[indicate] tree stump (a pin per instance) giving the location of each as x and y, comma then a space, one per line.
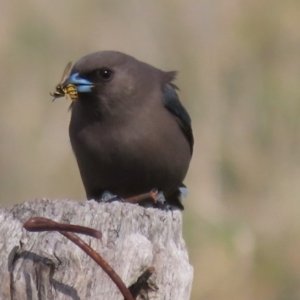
46, 265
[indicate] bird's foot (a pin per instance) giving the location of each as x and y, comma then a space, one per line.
108, 197
143, 199
153, 199
162, 203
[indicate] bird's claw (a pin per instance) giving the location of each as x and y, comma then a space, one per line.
108, 197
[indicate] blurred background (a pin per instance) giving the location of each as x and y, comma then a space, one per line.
239, 72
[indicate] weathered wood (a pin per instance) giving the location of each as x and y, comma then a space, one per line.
48, 266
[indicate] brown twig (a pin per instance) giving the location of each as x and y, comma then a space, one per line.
141, 283
143, 197
43, 224
101, 262
36, 224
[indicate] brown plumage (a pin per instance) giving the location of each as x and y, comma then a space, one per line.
128, 129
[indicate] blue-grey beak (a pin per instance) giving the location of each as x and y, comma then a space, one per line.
82, 85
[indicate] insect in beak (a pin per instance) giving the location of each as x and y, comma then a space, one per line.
64, 90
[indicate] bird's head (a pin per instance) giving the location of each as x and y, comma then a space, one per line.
114, 81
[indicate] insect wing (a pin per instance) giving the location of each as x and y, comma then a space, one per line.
66, 73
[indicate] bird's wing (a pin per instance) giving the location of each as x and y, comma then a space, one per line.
172, 103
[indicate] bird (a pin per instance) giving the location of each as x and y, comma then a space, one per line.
128, 130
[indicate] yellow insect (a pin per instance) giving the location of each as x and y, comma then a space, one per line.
69, 89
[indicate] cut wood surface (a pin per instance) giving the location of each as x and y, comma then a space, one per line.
46, 265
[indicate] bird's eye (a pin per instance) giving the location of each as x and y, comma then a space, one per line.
105, 74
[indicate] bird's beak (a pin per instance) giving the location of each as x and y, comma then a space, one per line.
82, 85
